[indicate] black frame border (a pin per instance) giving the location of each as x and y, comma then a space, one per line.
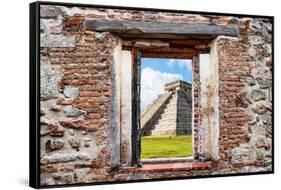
34, 92
34, 95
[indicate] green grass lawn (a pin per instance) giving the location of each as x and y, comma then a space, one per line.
166, 147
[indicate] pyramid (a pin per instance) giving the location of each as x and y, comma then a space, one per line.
170, 114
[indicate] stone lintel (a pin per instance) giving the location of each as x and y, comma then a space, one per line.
156, 29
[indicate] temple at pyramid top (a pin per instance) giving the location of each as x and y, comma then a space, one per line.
177, 85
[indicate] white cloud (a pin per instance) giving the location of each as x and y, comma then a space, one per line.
182, 63
185, 64
152, 84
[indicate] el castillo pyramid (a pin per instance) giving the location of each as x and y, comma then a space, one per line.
170, 114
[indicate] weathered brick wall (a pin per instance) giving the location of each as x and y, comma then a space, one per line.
76, 94
78, 131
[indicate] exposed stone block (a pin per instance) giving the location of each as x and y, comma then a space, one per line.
84, 156
48, 88
50, 11
51, 26
264, 83
47, 128
57, 133
74, 143
71, 92
71, 111
67, 157
56, 108
81, 124
74, 123
52, 145
53, 41
259, 108
59, 158
256, 95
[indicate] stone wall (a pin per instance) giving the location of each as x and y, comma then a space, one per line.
80, 134
76, 98
245, 102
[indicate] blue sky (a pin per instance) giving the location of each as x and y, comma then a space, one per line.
174, 66
155, 73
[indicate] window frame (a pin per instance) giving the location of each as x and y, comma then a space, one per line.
137, 54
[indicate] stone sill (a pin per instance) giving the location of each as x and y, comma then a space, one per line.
171, 167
